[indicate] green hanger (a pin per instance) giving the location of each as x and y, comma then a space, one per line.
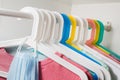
100, 39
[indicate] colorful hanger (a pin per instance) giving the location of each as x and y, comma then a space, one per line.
92, 25
100, 38
112, 65
106, 72
76, 56
92, 40
48, 45
97, 38
38, 20
72, 38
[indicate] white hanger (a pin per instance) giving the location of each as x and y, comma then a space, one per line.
49, 53
46, 21
35, 37
79, 21
49, 27
69, 53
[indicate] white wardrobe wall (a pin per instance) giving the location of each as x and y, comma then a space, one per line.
104, 12
11, 28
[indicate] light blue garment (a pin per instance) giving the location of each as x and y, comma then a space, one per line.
23, 67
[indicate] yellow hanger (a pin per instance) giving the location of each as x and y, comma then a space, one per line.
73, 31
97, 32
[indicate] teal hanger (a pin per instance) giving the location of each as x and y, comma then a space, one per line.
100, 39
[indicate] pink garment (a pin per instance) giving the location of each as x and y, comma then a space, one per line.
50, 70
1, 78
5, 61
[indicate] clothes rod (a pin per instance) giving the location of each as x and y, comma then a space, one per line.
20, 14
14, 13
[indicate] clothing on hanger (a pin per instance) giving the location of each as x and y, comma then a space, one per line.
5, 61
23, 66
51, 70
36, 58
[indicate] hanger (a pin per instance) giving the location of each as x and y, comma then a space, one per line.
34, 37
84, 27
77, 47
92, 25
72, 68
58, 31
114, 66
94, 41
106, 72
96, 54
80, 35
34, 15
16, 42
46, 21
89, 42
43, 45
68, 52
100, 38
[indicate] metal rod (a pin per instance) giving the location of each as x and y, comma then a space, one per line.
14, 13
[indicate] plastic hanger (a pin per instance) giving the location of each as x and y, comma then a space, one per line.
93, 41
92, 25
17, 42
57, 58
106, 72
83, 23
85, 54
73, 69
100, 38
59, 17
46, 21
114, 66
80, 35
36, 19
90, 41
34, 38
69, 53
